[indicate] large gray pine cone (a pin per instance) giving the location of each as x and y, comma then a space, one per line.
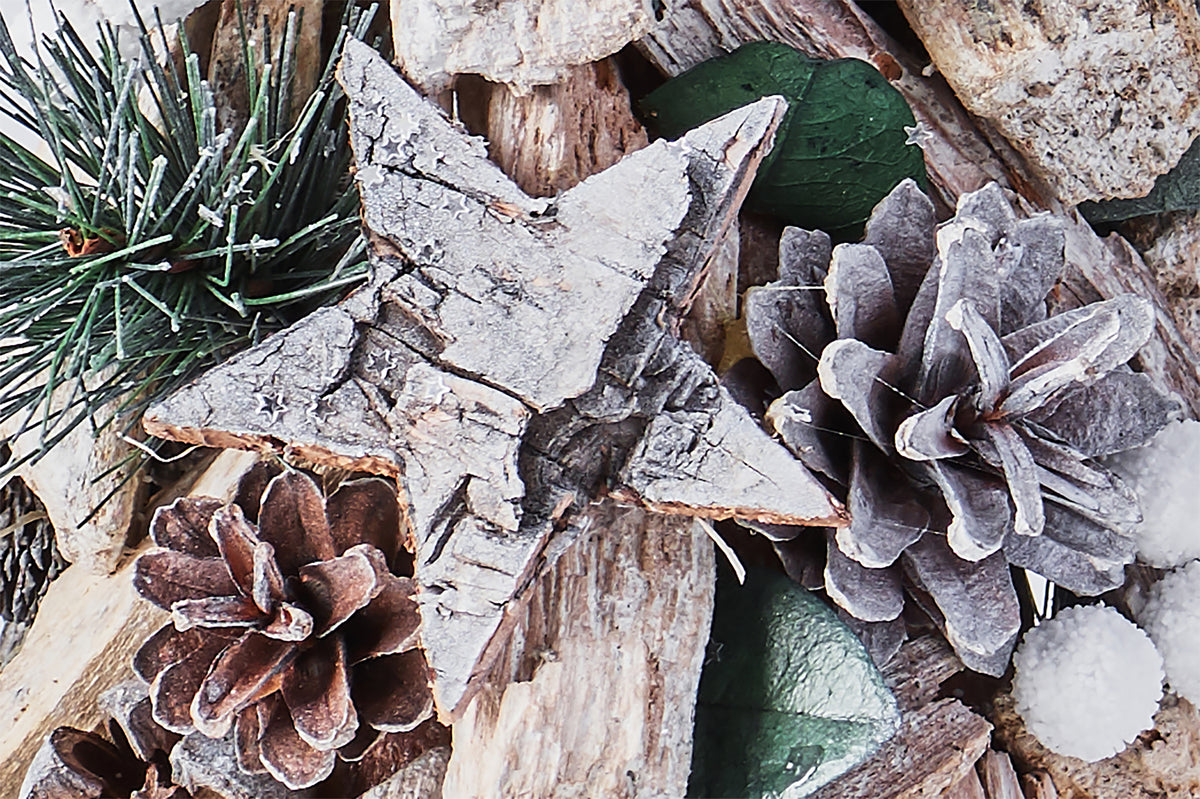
921, 373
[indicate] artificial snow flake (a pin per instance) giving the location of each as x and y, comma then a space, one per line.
1171, 617
962, 422
1087, 682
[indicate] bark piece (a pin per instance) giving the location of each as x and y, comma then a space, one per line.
576, 662
524, 43
440, 374
937, 746
1073, 90
917, 672
999, 776
711, 463
551, 138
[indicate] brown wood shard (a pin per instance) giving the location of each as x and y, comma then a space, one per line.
511, 357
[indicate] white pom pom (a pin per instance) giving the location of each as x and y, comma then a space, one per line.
1163, 474
1172, 619
1087, 682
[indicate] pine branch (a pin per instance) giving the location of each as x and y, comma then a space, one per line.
151, 244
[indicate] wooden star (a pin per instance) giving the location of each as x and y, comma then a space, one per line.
530, 352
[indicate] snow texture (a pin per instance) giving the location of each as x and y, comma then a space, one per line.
1163, 475
1172, 620
1087, 682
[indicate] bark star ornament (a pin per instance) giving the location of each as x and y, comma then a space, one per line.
533, 357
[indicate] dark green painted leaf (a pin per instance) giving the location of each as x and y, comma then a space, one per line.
789, 698
840, 149
1178, 190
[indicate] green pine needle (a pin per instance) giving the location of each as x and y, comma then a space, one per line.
152, 245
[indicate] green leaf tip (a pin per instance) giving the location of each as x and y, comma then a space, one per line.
789, 699
842, 145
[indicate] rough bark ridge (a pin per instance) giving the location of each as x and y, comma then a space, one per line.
511, 356
594, 693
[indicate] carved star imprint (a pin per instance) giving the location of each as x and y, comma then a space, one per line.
532, 358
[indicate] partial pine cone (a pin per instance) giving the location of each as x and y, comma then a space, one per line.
29, 557
292, 625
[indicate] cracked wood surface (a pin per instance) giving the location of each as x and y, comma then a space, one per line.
511, 357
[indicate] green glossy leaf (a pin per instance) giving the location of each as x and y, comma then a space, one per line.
789, 698
840, 148
1178, 190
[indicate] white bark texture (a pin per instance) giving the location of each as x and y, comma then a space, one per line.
509, 355
519, 42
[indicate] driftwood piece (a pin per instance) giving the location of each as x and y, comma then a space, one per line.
1163, 761
595, 692
969, 787
916, 672
1099, 98
516, 366
957, 155
998, 776
519, 42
